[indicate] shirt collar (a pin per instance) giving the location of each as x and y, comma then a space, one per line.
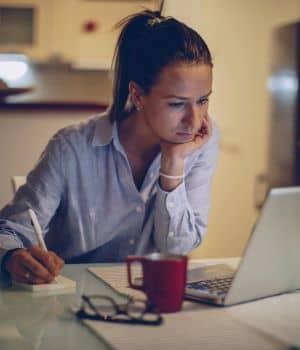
103, 132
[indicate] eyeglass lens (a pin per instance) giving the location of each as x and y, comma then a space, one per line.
107, 308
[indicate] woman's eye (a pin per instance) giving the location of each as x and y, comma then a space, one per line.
176, 104
203, 101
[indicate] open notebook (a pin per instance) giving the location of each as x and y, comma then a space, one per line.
266, 324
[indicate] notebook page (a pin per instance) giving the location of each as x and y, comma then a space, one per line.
204, 329
196, 326
278, 315
116, 276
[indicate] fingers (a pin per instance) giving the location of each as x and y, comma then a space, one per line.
48, 259
206, 128
24, 276
58, 263
34, 265
182, 150
24, 268
205, 131
36, 269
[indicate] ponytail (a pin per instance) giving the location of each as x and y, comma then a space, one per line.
147, 43
123, 59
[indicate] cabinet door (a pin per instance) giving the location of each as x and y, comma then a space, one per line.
26, 27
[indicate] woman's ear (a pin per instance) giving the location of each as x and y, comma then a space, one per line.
136, 95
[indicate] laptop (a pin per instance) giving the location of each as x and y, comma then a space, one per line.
271, 261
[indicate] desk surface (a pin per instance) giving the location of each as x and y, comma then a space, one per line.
44, 322
28, 321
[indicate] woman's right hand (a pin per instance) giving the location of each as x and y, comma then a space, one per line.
33, 265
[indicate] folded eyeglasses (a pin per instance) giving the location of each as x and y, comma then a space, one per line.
131, 311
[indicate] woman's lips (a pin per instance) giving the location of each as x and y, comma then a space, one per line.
185, 135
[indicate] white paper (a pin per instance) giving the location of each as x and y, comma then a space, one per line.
196, 326
277, 316
61, 283
116, 277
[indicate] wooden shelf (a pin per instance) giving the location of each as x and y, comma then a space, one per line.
53, 105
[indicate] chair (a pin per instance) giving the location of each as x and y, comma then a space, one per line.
17, 181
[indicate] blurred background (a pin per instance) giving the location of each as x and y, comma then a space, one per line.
55, 58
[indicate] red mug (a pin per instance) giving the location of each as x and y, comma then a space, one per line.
163, 279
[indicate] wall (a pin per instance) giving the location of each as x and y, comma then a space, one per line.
23, 136
239, 34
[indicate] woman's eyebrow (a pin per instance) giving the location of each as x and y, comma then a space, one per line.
186, 98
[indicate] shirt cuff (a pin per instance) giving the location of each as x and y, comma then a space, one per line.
173, 201
4, 255
7, 243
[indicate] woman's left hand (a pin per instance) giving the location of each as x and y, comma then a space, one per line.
174, 154
182, 150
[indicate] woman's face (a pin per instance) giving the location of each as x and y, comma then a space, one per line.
175, 107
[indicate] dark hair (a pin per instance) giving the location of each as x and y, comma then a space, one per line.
148, 42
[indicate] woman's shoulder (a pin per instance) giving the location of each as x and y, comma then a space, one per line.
84, 131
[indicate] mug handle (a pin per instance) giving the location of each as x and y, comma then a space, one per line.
129, 260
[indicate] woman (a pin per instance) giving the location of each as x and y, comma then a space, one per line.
134, 180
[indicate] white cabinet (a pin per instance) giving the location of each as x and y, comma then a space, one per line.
84, 29
31, 16
76, 31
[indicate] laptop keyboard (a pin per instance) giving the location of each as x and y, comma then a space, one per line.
214, 286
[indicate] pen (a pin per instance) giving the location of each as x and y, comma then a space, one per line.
38, 231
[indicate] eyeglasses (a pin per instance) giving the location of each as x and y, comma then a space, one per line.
132, 311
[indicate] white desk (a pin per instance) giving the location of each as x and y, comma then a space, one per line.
43, 323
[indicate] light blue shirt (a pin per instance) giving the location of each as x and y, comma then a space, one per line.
90, 209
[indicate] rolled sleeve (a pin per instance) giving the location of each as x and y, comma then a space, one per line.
181, 216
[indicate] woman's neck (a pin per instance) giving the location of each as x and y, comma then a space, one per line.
137, 138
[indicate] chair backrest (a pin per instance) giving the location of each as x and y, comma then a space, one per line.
17, 181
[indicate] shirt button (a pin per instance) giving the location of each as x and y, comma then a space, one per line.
131, 241
138, 209
171, 234
151, 175
170, 205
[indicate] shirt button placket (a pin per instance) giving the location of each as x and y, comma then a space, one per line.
138, 209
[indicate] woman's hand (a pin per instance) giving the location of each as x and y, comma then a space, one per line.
173, 155
33, 265
182, 150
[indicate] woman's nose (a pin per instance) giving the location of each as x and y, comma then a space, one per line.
192, 118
